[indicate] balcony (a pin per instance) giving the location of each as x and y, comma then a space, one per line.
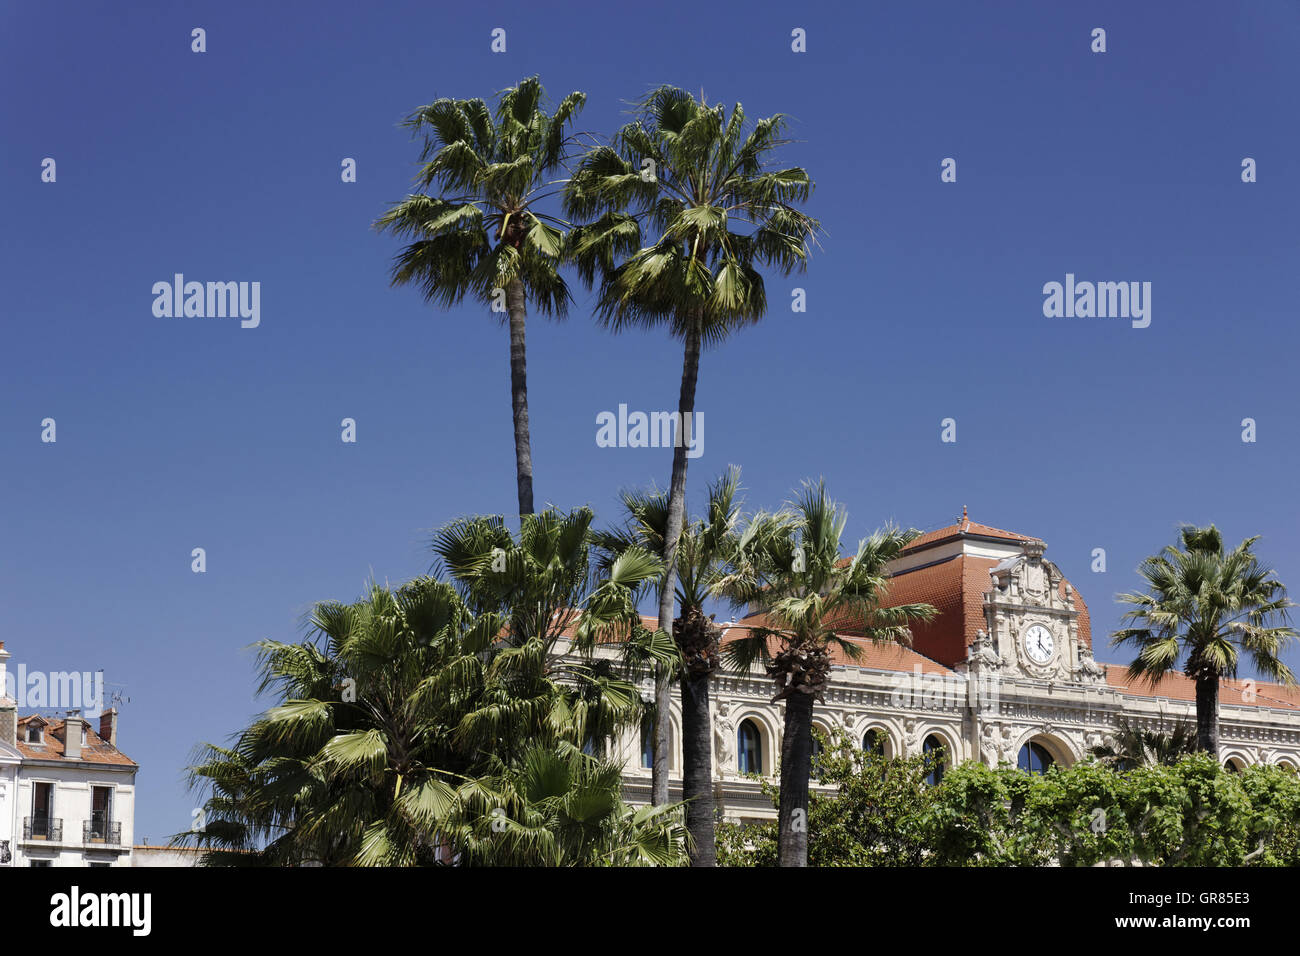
104, 832
43, 828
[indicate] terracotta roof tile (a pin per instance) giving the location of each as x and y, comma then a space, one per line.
880, 657
965, 527
1180, 687
96, 749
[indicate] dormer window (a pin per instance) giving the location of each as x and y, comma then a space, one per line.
35, 735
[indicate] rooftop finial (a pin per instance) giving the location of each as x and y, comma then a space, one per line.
963, 512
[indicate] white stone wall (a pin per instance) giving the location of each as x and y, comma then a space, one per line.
72, 782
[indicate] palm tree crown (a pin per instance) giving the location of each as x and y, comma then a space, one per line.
482, 230
703, 189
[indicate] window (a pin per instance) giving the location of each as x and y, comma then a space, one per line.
817, 748
40, 862
34, 734
42, 800
99, 864
934, 749
101, 812
647, 742
1034, 758
873, 741
749, 748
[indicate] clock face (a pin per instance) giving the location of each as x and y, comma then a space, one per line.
1038, 644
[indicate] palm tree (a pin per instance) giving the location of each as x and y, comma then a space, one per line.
811, 600
1131, 746
415, 729
1206, 606
705, 548
704, 188
546, 586
481, 235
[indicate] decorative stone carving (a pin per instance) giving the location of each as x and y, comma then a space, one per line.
912, 736
724, 732
996, 740
982, 655
1089, 671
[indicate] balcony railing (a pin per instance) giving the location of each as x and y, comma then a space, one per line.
43, 828
101, 831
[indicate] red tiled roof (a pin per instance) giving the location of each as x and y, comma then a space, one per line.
96, 749
956, 590
1180, 687
880, 657
965, 527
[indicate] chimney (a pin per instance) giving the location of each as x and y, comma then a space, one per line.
108, 725
72, 736
8, 706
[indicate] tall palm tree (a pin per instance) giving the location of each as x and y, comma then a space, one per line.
1206, 606
682, 209
811, 600
481, 234
705, 549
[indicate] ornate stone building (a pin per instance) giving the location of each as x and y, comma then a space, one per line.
1003, 674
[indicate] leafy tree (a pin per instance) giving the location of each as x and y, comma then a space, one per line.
475, 227
682, 210
789, 567
1190, 813
1206, 606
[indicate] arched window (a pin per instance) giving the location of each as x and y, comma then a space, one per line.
818, 748
647, 742
1034, 758
873, 741
934, 746
749, 748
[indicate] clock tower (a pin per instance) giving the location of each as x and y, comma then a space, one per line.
1003, 607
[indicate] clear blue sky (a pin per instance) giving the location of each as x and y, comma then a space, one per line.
924, 303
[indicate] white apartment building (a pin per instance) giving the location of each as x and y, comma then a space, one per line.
67, 794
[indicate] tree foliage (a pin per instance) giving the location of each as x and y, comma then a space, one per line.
872, 811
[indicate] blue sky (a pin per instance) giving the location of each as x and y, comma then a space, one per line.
924, 302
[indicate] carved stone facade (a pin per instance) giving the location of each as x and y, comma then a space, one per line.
1008, 661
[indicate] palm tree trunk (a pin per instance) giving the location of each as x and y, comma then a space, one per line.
697, 768
1207, 713
676, 515
519, 395
796, 767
